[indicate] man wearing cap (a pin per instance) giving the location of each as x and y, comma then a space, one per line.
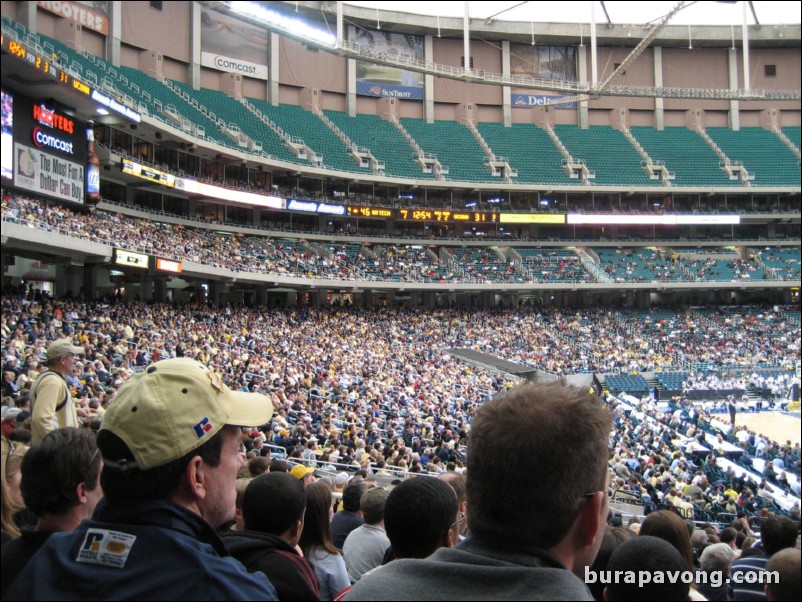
52, 405
171, 446
303, 473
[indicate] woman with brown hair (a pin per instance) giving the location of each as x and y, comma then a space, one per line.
332, 576
670, 527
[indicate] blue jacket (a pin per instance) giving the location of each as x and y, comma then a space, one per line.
138, 551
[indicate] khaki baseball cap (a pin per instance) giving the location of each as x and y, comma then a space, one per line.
173, 407
62, 348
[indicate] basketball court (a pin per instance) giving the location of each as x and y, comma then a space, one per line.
778, 426
775, 425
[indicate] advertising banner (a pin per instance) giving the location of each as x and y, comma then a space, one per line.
381, 80
42, 173
232, 45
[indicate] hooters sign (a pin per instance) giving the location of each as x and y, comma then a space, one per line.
81, 13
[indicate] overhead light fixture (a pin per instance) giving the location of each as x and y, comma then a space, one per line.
290, 25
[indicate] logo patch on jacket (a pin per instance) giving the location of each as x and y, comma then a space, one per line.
106, 548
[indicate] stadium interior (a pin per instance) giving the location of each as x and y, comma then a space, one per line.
626, 214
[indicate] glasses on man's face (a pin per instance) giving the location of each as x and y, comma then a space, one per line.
459, 521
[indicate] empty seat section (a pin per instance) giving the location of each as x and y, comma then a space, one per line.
762, 153
793, 133
384, 141
608, 153
303, 124
529, 149
233, 111
685, 153
454, 146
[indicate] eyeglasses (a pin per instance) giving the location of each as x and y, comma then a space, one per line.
460, 520
92, 460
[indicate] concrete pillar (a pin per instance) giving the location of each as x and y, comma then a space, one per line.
260, 295
659, 111
115, 32
273, 54
146, 287
316, 298
506, 91
26, 15
194, 67
160, 290
732, 65
350, 74
216, 289
90, 274
488, 299
582, 107
71, 280
429, 299
428, 81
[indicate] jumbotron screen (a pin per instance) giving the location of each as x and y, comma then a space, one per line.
44, 148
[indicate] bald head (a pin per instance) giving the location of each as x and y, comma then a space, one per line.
787, 564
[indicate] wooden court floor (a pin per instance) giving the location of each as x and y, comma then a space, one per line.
775, 425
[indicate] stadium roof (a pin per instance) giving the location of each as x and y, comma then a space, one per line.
625, 12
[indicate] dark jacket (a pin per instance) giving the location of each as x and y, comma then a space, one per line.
138, 551
288, 571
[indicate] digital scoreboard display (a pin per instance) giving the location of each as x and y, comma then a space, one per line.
445, 215
363, 211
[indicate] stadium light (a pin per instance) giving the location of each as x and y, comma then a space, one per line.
290, 25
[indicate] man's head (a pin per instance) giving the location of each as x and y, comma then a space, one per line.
728, 535
786, 563
279, 466
717, 557
778, 532
258, 465
305, 474
457, 482
10, 421
651, 554
61, 356
171, 433
537, 470
352, 494
274, 503
420, 516
373, 503
60, 474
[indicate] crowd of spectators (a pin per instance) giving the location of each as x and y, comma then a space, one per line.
336, 261
377, 393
